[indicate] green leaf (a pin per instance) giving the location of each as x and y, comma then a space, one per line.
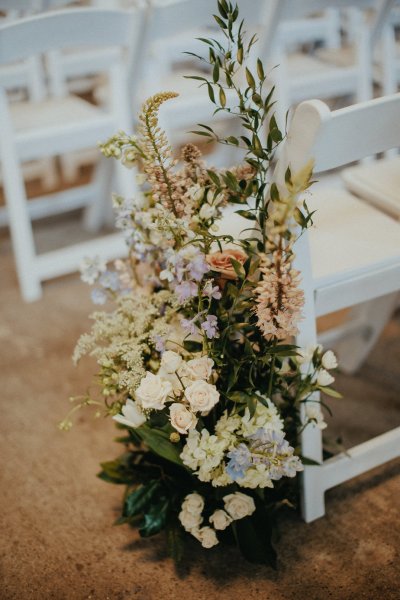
257, 147
220, 22
223, 9
254, 541
274, 193
211, 92
155, 518
136, 501
288, 176
214, 178
216, 72
222, 97
238, 268
192, 346
175, 541
330, 392
246, 214
239, 55
250, 79
309, 461
260, 69
232, 140
119, 470
159, 443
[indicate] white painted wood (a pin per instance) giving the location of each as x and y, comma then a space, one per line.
58, 125
347, 271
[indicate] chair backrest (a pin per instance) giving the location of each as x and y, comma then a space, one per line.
335, 138
71, 28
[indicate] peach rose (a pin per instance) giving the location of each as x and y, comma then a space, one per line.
221, 262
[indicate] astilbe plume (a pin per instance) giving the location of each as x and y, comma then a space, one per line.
279, 297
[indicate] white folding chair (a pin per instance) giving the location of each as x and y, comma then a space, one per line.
329, 72
352, 256
53, 127
24, 79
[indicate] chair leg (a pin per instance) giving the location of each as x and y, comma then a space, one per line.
95, 214
372, 316
312, 497
17, 205
49, 176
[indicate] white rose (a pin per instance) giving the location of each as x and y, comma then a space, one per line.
198, 368
131, 416
170, 361
324, 378
181, 418
207, 211
202, 396
190, 520
220, 519
207, 537
174, 381
329, 360
239, 505
153, 391
314, 414
193, 503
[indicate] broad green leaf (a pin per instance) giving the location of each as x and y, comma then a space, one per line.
155, 518
136, 501
159, 443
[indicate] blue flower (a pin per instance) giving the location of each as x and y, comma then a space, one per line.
99, 296
110, 281
240, 461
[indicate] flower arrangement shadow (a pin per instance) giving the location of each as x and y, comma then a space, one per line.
197, 361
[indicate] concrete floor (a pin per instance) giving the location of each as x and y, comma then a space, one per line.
57, 540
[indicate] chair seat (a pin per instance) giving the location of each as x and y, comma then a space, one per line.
350, 239
349, 235
58, 125
52, 113
378, 183
310, 76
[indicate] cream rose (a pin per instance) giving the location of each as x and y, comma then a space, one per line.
181, 418
324, 378
190, 520
329, 360
132, 416
202, 396
220, 519
221, 262
171, 361
193, 503
198, 368
239, 505
207, 537
153, 391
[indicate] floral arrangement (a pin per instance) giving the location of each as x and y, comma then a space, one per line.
197, 361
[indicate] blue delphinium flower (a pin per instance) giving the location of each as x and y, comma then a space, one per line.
110, 280
240, 461
99, 296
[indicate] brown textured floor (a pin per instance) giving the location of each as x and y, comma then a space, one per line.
57, 540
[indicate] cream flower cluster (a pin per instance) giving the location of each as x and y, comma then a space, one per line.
183, 385
206, 453
236, 506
